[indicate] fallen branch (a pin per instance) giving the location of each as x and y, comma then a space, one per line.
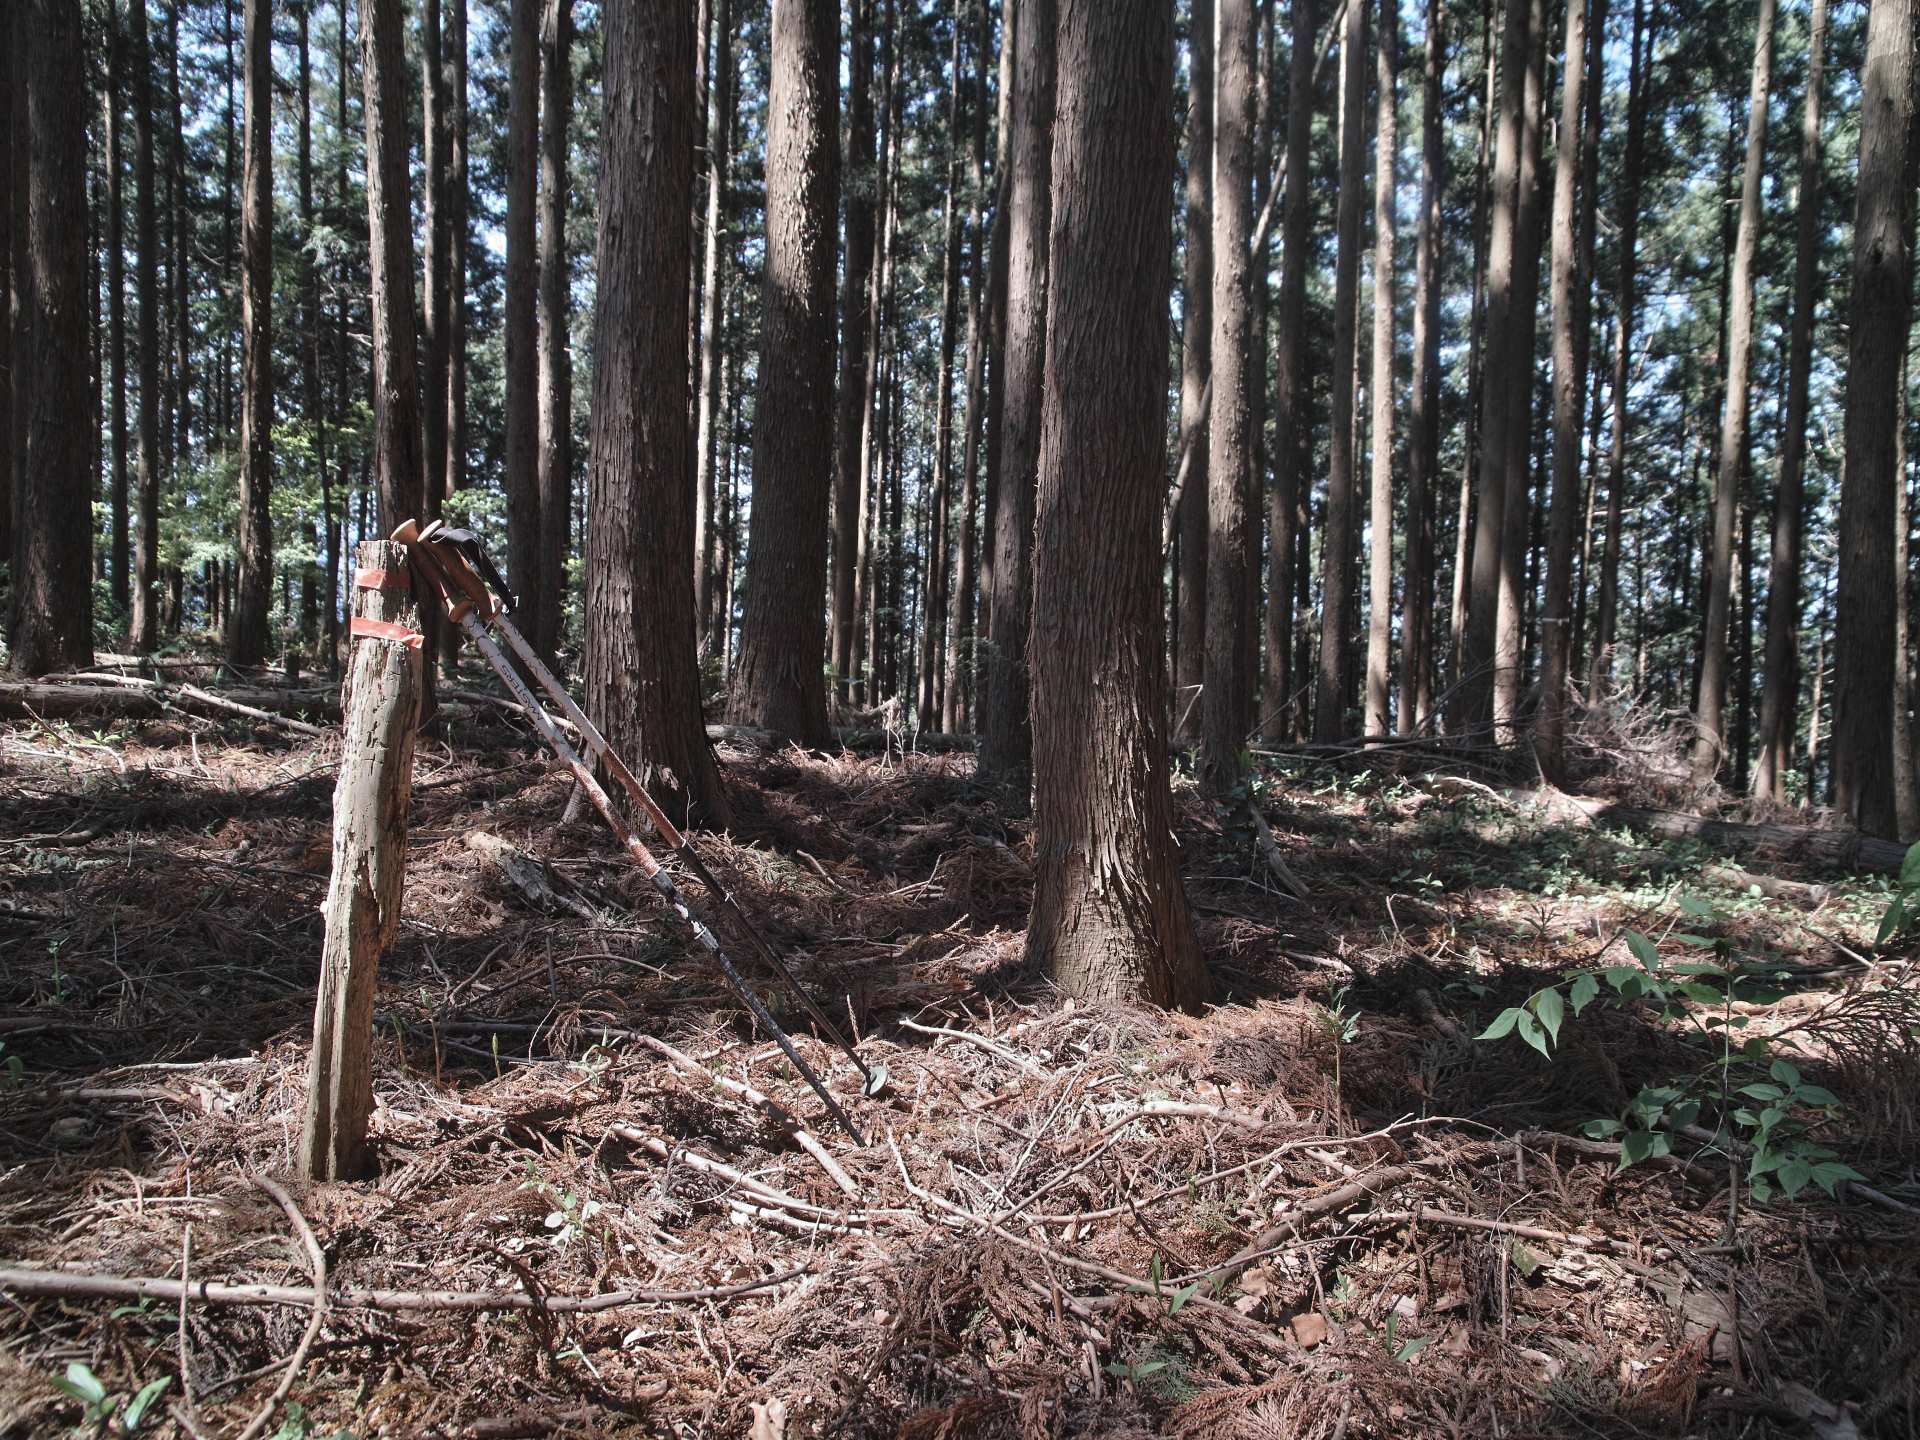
25, 1280
1843, 848
992, 1047
1276, 862
1310, 1209
129, 695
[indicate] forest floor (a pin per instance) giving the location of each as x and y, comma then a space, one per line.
1418, 1235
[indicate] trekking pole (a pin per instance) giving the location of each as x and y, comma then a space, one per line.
446, 565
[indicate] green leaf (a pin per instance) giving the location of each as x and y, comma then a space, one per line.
1582, 992
1693, 905
1503, 1023
1761, 1091
1698, 942
1643, 950
149, 1393
1829, 1173
1524, 1260
1698, 967
1180, 1297
81, 1383
1636, 1147
1910, 867
1785, 1072
1618, 976
1816, 1095
1602, 1129
1702, 993
1794, 1176
1412, 1348
1531, 1032
1552, 1010
1761, 1191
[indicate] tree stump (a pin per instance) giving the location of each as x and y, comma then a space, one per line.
380, 706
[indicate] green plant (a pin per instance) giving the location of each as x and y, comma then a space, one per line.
13, 1070
1902, 915
1402, 1351
1341, 1025
1757, 1100
101, 1408
568, 1219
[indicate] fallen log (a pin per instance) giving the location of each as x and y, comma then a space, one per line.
121, 696
1843, 848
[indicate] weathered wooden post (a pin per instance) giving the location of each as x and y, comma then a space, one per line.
379, 708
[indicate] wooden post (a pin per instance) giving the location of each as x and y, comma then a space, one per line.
379, 709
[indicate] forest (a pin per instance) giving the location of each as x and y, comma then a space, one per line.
944, 718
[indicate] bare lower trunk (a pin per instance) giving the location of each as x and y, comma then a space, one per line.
1110, 919
1423, 422
1378, 718
855, 330
957, 711
146, 555
713, 297
519, 318
555, 355
247, 632
1196, 341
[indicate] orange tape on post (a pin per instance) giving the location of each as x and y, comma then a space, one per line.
382, 580
365, 629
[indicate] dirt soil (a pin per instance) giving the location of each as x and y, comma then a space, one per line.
1322, 1208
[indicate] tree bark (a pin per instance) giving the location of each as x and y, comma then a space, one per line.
520, 322
396, 386
312, 399
781, 686
51, 625
1877, 339
1378, 719
706, 530
556, 364
247, 630
1780, 688
1232, 424
1337, 562
146, 551
1006, 734
454, 398
643, 677
1466, 518
1709, 746
1571, 326
1196, 342
957, 708
119, 553
1423, 420
364, 895
855, 327
1110, 919
1291, 402
437, 262
933, 610
1625, 313
12, 194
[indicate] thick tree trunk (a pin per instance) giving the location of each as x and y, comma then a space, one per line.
396, 387
51, 625
855, 331
146, 243
781, 686
1232, 419
1291, 403
1423, 421
1570, 299
1877, 340
312, 401
247, 630
643, 679
1709, 746
864, 659
1465, 522
713, 298
436, 263
1378, 718
934, 587
1196, 350
1006, 735
1625, 313
519, 320
957, 707
1780, 687
385, 695
1337, 564
1109, 916
556, 363
119, 553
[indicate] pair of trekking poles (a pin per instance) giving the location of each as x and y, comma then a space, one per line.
454, 561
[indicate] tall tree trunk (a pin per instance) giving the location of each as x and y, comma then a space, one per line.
51, 625
1709, 744
396, 387
1780, 688
1423, 420
556, 363
996, 343
247, 631
1378, 717
643, 683
957, 710
1516, 590
1503, 374
1232, 428
1877, 339
933, 615
146, 243
864, 660
1291, 404
1337, 565
855, 328
118, 552
519, 319
1571, 338
436, 278
13, 149
1006, 735
706, 531
1109, 916
1196, 349
454, 398
1470, 451
1625, 313
783, 637
312, 399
